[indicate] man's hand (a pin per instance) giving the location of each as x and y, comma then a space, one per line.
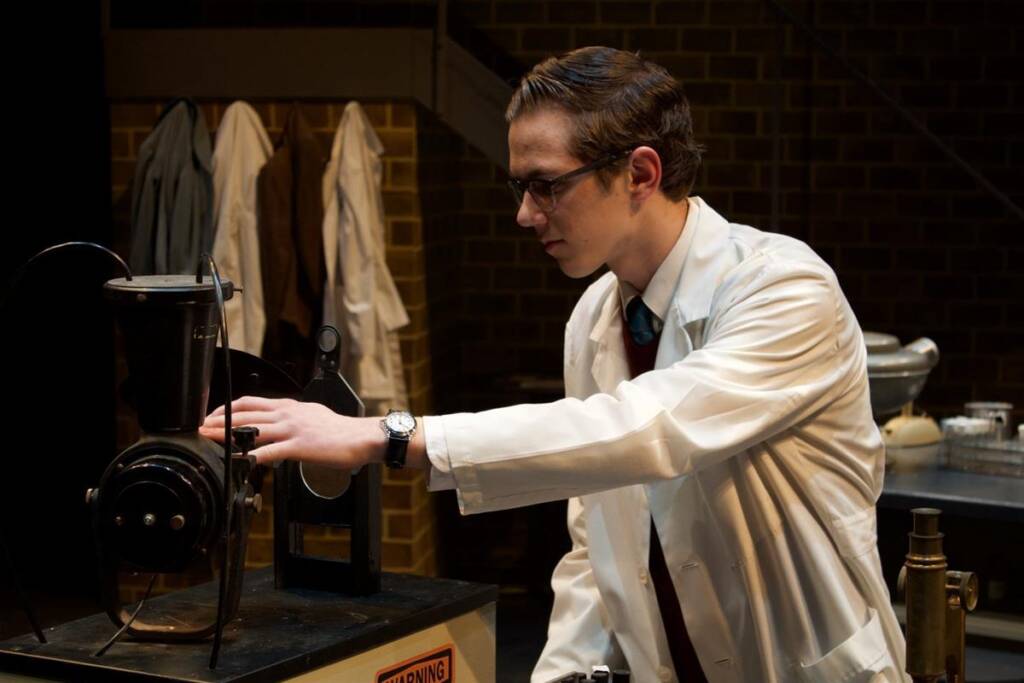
293, 430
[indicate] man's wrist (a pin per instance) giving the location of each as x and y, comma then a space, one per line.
378, 440
416, 455
416, 451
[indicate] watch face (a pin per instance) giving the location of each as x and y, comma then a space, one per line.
401, 422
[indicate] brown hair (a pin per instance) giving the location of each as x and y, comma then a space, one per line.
617, 101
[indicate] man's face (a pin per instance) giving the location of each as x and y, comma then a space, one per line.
586, 227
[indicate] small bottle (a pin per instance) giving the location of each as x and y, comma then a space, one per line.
620, 676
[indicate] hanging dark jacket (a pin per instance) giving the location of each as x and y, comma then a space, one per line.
172, 194
290, 201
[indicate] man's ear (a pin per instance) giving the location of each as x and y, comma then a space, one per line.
644, 173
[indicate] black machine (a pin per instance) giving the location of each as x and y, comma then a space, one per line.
320, 496
170, 499
175, 498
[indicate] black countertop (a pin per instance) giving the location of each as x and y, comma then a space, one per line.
957, 493
276, 634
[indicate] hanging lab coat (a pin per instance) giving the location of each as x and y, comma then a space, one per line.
172, 194
242, 148
752, 446
360, 297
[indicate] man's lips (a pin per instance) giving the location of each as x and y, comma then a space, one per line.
551, 244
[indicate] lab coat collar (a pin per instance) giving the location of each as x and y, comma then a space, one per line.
694, 290
688, 306
355, 122
658, 294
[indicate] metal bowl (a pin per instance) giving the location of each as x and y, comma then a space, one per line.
897, 375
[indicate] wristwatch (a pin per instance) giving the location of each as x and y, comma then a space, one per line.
399, 425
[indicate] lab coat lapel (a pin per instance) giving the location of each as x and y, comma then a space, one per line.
705, 264
685, 323
691, 300
610, 366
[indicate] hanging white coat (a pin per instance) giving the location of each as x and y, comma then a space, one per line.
360, 297
751, 444
241, 150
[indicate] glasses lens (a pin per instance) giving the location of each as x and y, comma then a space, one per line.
543, 193
517, 192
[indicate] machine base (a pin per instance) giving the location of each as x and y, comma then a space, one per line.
413, 623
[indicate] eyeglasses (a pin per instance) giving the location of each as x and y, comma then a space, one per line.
544, 192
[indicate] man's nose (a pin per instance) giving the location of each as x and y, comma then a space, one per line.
529, 214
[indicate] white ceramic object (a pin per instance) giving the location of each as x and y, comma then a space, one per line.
912, 442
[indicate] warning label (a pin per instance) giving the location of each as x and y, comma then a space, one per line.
429, 667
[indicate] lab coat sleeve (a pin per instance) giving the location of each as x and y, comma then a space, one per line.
579, 636
771, 358
439, 468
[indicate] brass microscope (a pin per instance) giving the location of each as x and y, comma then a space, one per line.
938, 600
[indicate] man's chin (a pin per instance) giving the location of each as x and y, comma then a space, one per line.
577, 271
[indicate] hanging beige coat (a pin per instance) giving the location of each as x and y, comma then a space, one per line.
242, 148
360, 297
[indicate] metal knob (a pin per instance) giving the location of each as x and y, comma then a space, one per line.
254, 502
245, 437
965, 586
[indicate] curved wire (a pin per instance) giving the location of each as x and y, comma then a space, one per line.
228, 497
124, 627
15, 280
19, 590
20, 272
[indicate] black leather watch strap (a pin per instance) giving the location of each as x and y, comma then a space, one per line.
394, 456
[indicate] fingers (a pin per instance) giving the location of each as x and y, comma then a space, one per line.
268, 432
271, 453
213, 434
241, 418
252, 403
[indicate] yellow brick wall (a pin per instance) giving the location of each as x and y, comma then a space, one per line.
408, 525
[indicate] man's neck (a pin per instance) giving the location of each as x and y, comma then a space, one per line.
657, 231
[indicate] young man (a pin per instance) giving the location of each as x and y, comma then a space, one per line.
716, 444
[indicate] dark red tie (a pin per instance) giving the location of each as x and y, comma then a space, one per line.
640, 335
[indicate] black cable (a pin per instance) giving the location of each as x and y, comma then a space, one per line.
20, 273
228, 489
121, 631
19, 590
23, 598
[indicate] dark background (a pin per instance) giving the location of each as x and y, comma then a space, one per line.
56, 356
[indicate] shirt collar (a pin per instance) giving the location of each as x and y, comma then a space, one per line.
658, 295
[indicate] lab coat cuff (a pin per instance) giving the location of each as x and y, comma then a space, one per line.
460, 467
439, 474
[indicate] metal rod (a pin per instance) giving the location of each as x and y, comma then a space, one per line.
229, 498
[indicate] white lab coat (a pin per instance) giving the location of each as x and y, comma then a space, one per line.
241, 150
752, 446
360, 297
